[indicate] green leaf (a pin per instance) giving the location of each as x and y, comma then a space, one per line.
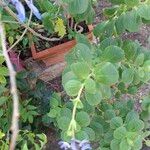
93, 99
132, 21
132, 115
83, 119
114, 145
120, 133
132, 90
135, 125
3, 100
68, 76
25, 147
80, 38
1, 134
99, 29
11, 40
3, 71
78, 6
83, 53
80, 69
106, 73
110, 41
144, 11
130, 49
139, 59
2, 79
98, 128
1, 113
146, 103
146, 69
109, 114
81, 135
116, 122
72, 87
47, 21
66, 112
138, 143
63, 123
1, 59
128, 75
90, 86
147, 142
119, 24
60, 28
117, 1
124, 145
110, 11
131, 3
52, 113
54, 102
113, 54
105, 90
90, 132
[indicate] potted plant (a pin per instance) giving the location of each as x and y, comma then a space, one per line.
61, 28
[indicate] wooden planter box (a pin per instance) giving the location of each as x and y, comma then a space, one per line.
57, 53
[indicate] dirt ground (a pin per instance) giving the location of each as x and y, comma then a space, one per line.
142, 36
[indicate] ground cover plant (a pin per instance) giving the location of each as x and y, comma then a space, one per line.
98, 74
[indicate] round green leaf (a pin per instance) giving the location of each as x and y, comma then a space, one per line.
120, 133
144, 11
82, 135
93, 99
63, 123
112, 54
128, 75
114, 145
90, 132
109, 114
72, 87
116, 122
139, 59
106, 73
78, 6
124, 145
130, 49
105, 90
54, 102
132, 115
66, 112
80, 69
135, 125
132, 21
90, 86
131, 3
83, 119
52, 113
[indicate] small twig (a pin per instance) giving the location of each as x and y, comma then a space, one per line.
75, 28
15, 98
24, 32
71, 23
25, 26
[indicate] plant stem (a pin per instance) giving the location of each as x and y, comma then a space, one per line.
14, 93
74, 110
24, 32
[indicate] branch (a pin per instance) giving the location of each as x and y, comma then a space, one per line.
2, 4
24, 32
15, 98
